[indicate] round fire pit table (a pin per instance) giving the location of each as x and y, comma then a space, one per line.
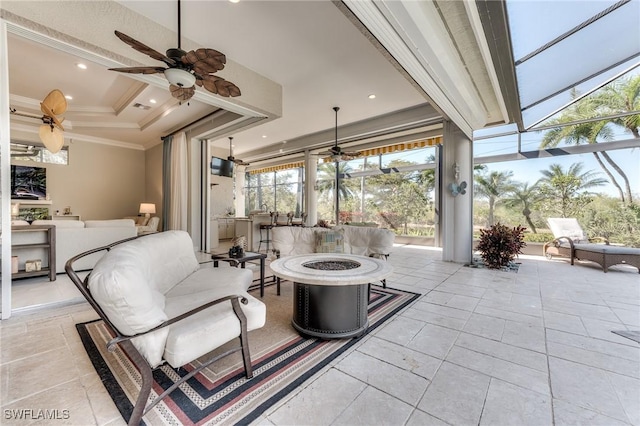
331, 292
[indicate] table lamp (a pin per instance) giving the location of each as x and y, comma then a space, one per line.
147, 209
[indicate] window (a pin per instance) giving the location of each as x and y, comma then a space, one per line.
38, 154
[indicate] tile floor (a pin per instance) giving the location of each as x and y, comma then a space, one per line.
479, 347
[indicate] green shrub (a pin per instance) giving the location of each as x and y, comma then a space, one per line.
542, 237
500, 244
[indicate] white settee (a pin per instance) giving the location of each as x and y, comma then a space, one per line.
358, 240
164, 307
73, 237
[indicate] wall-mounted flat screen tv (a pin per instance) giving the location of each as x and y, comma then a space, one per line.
221, 167
28, 183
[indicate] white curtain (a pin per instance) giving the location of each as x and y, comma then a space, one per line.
179, 183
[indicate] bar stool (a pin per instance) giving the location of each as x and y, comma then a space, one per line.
266, 226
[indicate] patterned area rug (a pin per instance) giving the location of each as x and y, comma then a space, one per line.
282, 361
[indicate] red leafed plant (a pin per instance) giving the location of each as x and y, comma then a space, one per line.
500, 244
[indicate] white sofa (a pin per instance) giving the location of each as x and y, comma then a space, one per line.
148, 283
358, 240
73, 237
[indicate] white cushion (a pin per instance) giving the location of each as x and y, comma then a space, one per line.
567, 227
195, 336
364, 241
358, 240
121, 288
141, 283
60, 223
115, 223
292, 240
129, 283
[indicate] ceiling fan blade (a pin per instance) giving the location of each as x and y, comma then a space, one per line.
208, 81
217, 85
55, 103
353, 154
222, 88
182, 93
227, 88
143, 48
139, 70
205, 60
233, 89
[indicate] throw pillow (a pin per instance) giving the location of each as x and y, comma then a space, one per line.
142, 221
329, 241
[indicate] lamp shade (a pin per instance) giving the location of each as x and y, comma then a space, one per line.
147, 208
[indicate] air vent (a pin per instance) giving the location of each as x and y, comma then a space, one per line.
141, 106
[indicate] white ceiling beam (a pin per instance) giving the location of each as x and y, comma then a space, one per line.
414, 34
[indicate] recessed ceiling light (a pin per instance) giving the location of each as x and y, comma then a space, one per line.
81, 66
264, 136
234, 1
68, 97
152, 101
372, 96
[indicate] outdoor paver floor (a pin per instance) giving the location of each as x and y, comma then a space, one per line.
479, 347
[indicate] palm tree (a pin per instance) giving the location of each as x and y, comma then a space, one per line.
524, 196
622, 96
566, 189
330, 178
586, 133
493, 186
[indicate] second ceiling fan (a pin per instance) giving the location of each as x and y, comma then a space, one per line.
184, 69
232, 158
335, 152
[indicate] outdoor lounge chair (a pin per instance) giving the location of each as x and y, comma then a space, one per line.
571, 242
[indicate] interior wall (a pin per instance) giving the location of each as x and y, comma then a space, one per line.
221, 196
100, 181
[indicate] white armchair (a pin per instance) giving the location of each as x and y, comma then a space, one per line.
150, 227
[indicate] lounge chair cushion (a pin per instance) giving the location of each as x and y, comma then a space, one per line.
567, 227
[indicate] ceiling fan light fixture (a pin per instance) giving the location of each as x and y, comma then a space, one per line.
179, 77
51, 137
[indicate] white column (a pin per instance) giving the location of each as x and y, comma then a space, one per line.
310, 192
456, 216
5, 212
240, 203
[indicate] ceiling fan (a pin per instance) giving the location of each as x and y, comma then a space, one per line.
335, 152
184, 68
50, 132
231, 157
